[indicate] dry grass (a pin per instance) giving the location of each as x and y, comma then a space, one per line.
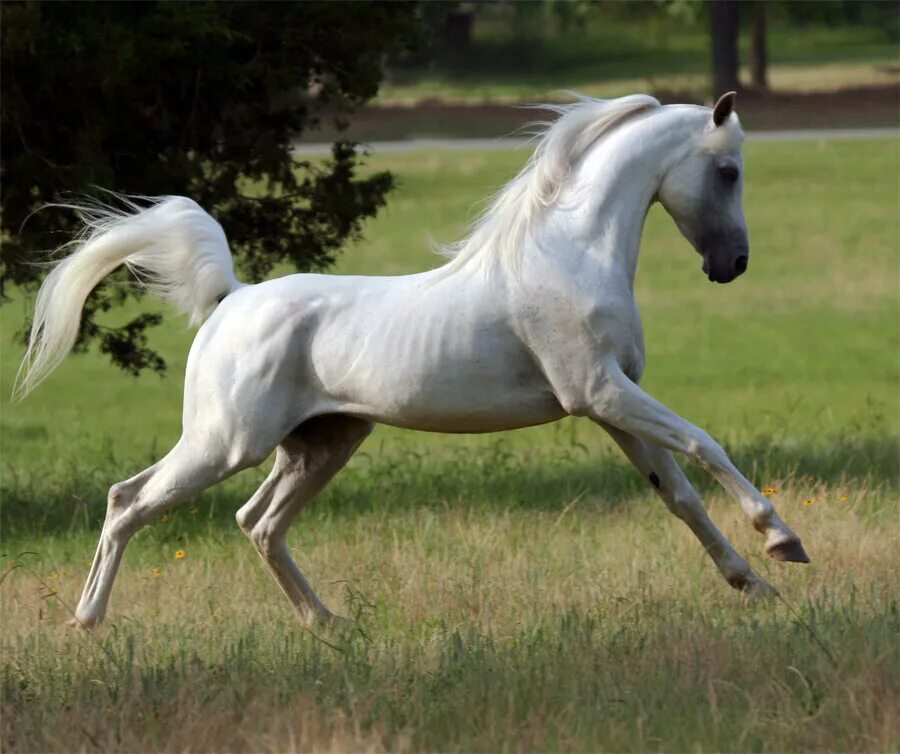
587, 628
519, 592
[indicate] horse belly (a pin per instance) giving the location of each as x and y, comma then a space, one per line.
467, 406
486, 386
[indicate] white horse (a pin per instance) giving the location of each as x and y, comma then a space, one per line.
533, 319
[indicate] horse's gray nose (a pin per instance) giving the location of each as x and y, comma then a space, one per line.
740, 265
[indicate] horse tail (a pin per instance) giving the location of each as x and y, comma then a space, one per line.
172, 246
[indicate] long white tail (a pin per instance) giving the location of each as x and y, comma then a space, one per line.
172, 246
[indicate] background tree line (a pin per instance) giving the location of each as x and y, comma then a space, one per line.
205, 99
201, 99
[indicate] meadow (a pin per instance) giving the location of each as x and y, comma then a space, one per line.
534, 59
513, 592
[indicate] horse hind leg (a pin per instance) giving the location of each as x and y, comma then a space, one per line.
132, 504
306, 461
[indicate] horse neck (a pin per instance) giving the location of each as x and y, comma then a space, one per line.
595, 229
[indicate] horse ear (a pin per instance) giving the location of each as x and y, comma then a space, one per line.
724, 107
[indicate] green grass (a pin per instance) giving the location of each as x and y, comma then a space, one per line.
514, 591
613, 56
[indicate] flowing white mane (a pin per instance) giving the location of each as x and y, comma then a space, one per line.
499, 233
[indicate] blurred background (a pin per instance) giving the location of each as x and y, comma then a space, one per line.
221, 102
257, 111
798, 64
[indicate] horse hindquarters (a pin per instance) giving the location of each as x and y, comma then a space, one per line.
225, 430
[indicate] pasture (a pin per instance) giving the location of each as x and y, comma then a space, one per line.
533, 60
519, 591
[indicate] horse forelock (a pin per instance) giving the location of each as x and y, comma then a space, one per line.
499, 233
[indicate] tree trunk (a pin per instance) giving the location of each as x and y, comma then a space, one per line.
458, 29
758, 57
723, 17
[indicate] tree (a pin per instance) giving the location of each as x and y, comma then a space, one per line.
202, 99
758, 52
723, 24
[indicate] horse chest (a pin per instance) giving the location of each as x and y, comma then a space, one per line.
576, 334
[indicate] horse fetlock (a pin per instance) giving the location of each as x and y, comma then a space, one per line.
745, 580
759, 590
86, 623
737, 572
323, 618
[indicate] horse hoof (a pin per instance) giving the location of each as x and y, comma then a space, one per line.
327, 621
88, 624
760, 591
790, 551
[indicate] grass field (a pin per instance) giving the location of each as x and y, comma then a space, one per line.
520, 591
616, 56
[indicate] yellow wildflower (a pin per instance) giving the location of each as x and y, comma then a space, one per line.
769, 491
843, 498
810, 501
179, 554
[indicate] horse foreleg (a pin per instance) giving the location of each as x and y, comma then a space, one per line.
306, 461
621, 403
659, 468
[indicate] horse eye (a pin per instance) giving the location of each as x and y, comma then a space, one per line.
729, 173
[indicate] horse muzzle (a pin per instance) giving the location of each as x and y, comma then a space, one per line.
725, 267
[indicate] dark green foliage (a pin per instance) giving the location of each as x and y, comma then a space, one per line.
201, 99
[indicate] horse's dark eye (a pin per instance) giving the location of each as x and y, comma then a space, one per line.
729, 173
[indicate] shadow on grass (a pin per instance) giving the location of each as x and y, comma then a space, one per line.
58, 499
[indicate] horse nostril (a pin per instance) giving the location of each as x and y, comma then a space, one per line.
740, 264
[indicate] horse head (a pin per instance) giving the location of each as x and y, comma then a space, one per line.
703, 192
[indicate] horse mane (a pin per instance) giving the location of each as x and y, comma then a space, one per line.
500, 231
